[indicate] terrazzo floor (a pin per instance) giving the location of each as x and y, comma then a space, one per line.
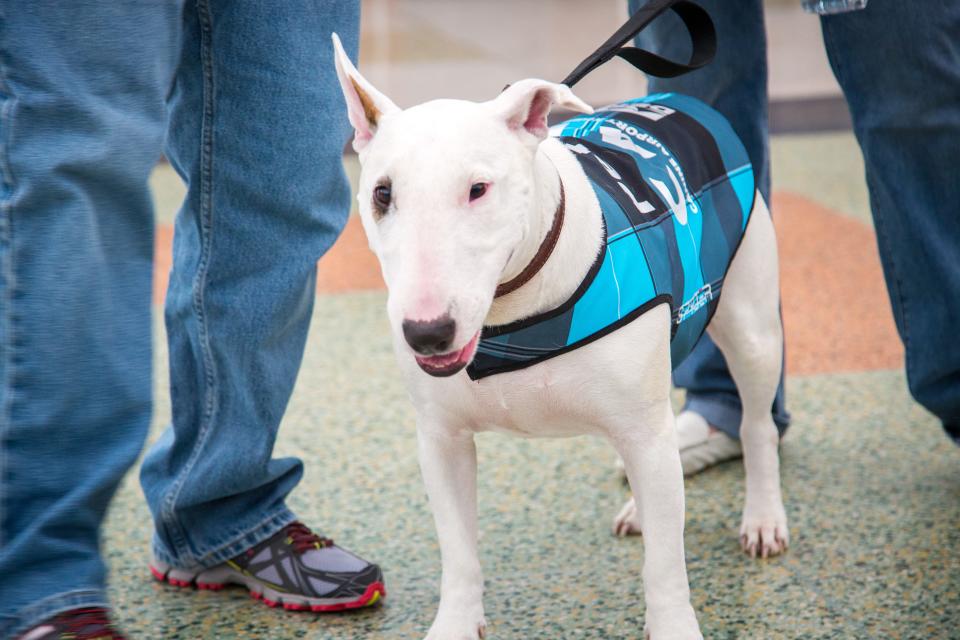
871, 484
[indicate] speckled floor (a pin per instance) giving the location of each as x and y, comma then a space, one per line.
872, 490
871, 484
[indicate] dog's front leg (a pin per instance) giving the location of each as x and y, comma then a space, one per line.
448, 462
652, 461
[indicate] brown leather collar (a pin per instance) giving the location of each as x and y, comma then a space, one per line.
543, 253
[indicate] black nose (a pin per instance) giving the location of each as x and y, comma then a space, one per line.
429, 337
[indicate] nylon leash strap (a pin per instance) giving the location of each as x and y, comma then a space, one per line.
695, 19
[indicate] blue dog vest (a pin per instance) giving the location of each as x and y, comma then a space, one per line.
676, 189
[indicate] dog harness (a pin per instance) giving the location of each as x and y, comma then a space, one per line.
676, 188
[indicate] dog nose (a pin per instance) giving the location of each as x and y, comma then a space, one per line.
428, 337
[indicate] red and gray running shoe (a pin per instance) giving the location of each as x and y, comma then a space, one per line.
295, 569
91, 623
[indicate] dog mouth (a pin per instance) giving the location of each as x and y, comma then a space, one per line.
447, 364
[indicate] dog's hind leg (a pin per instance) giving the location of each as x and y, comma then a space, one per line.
748, 331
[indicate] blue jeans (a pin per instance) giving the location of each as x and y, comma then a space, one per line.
257, 131
735, 84
81, 124
904, 98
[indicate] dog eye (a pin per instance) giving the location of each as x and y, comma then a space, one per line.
477, 190
381, 197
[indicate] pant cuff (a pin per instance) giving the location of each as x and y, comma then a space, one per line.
35, 613
725, 414
953, 430
220, 552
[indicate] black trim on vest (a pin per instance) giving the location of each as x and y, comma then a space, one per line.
630, 317
523, 323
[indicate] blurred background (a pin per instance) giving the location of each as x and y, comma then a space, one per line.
869, 478
452, 43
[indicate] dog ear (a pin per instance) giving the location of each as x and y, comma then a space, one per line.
525, 105
365, 105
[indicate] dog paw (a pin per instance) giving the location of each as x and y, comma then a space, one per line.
672, 635
676, 624
764, 531
627, 522
449, 628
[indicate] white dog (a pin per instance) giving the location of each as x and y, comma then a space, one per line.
479, 219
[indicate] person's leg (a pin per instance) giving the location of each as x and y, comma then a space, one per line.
82, 89
904, 97
735, 84
257, 132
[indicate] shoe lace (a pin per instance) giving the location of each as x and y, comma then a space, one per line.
303, 539
88, 624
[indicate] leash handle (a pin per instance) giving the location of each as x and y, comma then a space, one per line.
695, 19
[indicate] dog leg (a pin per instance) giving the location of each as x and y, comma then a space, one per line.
748, 331
627, 521
449, 466
652, 462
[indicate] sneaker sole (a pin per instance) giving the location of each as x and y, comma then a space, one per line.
219, 578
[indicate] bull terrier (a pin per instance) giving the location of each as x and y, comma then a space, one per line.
543, 282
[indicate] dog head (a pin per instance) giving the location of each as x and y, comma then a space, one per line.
446, 194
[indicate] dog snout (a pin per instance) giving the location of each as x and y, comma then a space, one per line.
429, 337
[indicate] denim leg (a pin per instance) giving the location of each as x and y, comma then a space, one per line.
257, 132
82, 88
908, 126
735, 84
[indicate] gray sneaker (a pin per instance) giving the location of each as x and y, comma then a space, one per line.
701, 446
295, 569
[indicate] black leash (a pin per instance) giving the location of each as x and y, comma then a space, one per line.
695, 19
